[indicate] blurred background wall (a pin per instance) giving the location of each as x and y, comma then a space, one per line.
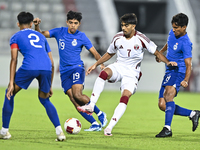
100, 23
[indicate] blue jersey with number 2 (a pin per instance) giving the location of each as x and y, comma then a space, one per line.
34, 47
178, 50
70, 47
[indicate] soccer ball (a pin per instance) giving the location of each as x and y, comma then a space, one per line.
72, 126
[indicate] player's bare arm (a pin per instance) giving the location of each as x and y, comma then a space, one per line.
13, 66
162, 51
188, 63
36, 22
52, 63
96, 55
103, 59
164, 59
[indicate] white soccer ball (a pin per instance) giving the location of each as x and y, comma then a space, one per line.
72, 126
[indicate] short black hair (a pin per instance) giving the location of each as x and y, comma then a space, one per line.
25, 17
74, 15
129, 18
180, 20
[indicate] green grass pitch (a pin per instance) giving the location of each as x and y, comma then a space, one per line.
136, 130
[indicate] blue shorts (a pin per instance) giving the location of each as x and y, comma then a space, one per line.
23, 79
71, 77
171, 79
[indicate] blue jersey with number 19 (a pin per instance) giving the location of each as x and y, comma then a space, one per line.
70, 47
34, 47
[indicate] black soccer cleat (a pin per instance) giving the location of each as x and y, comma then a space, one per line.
195, 120
164, 133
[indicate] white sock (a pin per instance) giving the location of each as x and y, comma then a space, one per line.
4, 130
99, 113
119, 111
58, 130
95, 123
97, 89
168, 127
192, 114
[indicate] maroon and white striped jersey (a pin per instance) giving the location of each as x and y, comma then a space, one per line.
130, 51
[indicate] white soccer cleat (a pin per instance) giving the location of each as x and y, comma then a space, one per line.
5, 136
86, 109
61, 137
107, 132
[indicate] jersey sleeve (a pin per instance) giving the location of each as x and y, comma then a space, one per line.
152, 47
149, 45
13, 42
87, 42
47, 46
54, 32
187, 50
112, 48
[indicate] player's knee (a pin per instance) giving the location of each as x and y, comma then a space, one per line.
103, 75
162, 106
124, 99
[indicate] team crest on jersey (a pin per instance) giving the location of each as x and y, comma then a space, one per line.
74, 42
136, 47
175, 46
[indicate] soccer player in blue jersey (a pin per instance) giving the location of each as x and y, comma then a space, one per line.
37, 64
179, 49
70, 43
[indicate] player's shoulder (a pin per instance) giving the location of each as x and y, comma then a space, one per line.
142, 36
186, 40
118, 36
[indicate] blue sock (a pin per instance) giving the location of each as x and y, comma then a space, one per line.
169, 112
7, 110
182, 111
51, 111
89, 118
96, 109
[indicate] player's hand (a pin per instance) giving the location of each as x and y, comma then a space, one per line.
184, 83
50, 92
102, 66
10, 90
90, 69
36, 21
171, 63
157, 59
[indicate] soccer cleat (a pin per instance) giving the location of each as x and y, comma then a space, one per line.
61, 137
195, 120
102, 118
107, 132
6, 136
164, 133
86, 109
94, 127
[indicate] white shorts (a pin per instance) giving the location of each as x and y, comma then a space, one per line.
127, 77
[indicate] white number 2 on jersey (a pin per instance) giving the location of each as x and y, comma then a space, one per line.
34, 41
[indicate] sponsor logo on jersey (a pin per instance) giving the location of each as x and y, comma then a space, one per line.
121, 47
136, 47
175, 46
74, 42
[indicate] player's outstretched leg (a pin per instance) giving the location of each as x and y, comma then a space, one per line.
164, 133
53, 116
6, 116
195, 120
98, 88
